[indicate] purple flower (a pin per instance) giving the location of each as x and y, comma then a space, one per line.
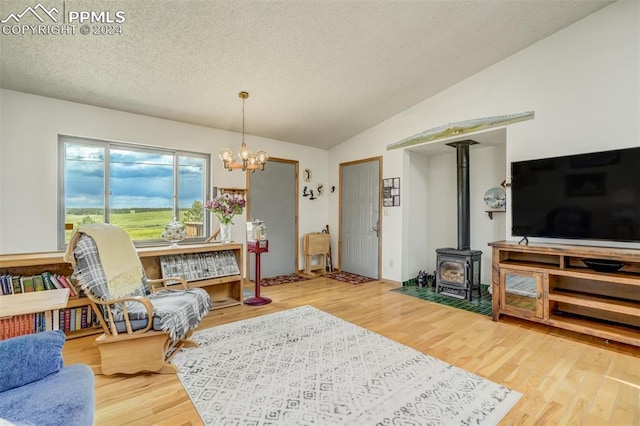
226, 206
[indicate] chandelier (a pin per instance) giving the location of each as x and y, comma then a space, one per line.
249, 161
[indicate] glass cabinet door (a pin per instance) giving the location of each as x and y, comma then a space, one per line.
521, 292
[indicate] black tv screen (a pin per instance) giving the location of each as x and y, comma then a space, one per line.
585, 196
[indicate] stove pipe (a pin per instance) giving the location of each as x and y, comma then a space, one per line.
464, 216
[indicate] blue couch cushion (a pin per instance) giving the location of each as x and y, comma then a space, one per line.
64, 398
31, 357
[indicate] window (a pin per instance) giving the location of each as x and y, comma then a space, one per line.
137, 188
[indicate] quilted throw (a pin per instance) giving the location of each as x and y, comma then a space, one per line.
118, 256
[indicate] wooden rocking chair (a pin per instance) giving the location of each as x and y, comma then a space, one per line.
144, 328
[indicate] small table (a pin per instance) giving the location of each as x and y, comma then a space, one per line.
315, 244
257, 247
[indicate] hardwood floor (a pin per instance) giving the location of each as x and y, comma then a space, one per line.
565, 377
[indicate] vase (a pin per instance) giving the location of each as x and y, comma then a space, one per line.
225, 233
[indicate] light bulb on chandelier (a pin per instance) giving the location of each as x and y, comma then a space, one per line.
249, 161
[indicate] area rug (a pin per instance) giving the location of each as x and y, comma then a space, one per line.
304, 366
282, 279
348, 277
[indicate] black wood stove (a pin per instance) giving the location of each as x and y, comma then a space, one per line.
458, 269
458, 272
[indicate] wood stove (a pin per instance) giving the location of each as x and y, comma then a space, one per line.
458, 269
458, 272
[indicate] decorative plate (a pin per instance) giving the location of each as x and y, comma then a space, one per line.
495, 198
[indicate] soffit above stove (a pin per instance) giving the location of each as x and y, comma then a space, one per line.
489, 129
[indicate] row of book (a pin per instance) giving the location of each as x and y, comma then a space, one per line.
66, 319
14, 284
199, 266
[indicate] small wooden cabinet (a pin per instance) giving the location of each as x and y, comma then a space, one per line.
224, 291
550, 283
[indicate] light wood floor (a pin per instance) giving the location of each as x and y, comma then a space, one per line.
565, 378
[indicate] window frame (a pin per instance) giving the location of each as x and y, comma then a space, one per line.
108, 146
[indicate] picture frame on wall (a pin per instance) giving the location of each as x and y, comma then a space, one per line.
391, 192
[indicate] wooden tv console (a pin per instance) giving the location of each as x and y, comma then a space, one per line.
550, 284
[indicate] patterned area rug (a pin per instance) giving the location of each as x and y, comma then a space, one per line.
304, 366
348, 277
282, 279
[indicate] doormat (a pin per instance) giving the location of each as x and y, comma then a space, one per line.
483, 305
304, 366
282, 279
348, 277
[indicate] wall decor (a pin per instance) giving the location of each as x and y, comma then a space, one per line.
307, 175
320, 189
306, 192
391, 192
495, 198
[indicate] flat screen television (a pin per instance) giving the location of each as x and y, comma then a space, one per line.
594, 196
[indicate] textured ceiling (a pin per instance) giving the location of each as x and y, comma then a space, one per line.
318, 72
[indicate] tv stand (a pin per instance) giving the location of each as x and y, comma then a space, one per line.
550, 284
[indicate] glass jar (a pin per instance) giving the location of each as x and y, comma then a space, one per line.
258, 231
174, 232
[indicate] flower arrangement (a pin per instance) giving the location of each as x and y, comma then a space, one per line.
226, 206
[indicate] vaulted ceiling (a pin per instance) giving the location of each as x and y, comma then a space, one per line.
318, 72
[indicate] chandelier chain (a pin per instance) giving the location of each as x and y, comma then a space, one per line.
243, 99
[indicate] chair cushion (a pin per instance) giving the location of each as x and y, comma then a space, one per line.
174, 312
28, 358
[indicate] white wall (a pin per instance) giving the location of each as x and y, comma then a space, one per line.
419, 215
582, 83
29, 174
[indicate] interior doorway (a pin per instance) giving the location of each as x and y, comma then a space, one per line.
360, 224
273, 198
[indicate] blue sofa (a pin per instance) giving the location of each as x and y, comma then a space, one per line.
35, 387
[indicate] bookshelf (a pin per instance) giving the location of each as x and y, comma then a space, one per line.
232, 191
222, 278
225, 288
33, 311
